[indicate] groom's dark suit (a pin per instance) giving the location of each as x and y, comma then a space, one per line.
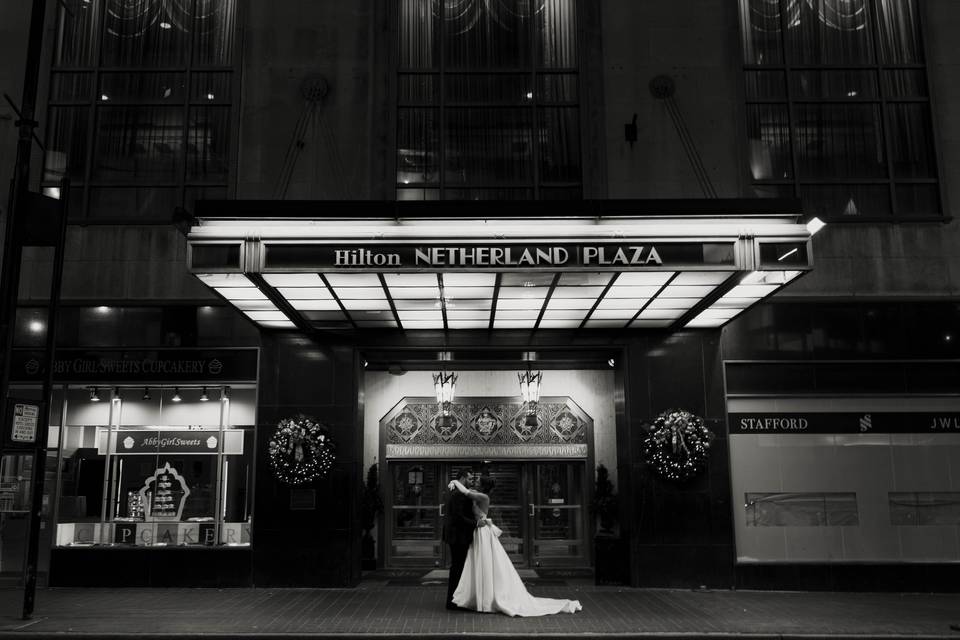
458, 527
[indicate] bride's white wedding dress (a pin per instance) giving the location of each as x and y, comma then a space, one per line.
490, 583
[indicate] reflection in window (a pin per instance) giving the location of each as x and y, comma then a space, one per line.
801, 509
838, 137
488, 100
160, 131
924, 508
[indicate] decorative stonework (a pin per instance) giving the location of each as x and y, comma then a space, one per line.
486, 428
483, 452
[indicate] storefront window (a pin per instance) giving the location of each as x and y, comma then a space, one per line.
156, 466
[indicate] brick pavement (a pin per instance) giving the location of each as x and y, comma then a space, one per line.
384, 610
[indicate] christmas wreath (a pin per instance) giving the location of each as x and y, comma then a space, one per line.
300, 451
678, 445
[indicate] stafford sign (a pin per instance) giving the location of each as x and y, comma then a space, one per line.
620, 256
843, 423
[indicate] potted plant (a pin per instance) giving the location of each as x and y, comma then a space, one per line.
604, 504
371, 504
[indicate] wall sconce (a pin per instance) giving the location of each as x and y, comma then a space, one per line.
445, 387
530, 392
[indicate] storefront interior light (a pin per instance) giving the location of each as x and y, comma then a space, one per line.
203, 395
176, 395
94, 394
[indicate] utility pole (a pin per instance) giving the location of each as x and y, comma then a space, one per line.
32, 220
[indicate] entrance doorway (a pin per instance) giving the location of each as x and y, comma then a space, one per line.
539, 505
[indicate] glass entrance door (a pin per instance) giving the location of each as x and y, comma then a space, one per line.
538, 505
557, 528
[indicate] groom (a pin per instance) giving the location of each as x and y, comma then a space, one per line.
458, 527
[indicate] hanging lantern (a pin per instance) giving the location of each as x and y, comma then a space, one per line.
530, 393
445, 386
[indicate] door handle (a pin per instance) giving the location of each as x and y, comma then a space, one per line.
533, 509
441, 509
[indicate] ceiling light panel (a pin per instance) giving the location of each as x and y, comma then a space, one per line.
225, 280
410, 279
673, 303
240, 293
650, 323
467, 315
661, 314
577, 292
353, 279
266, 315
571, 303
613, 314
305, 293
529, 279
605, 324
254, 305
469, 279
752, 290
565, 314
701, 277
599, 279
324, 316
376, 324
468, 303
648, 278
422, 324
276, 324
416, 304
686, 291
315, 305
631, 291
518, 314
410, 316
468, 324
415, 293
467, 292
559, 324
293, 279
366, 305
360, 293
523, 292
621, 303
519, 303
512, 324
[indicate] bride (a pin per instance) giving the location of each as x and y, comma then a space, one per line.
489, 582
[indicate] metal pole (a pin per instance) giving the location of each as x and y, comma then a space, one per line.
43, 423
10, 281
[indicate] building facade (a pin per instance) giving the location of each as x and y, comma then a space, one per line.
308, 208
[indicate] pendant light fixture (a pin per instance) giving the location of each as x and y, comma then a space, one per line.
445, 387
94, 394
146, 393
530, 393
176, 395
203, 395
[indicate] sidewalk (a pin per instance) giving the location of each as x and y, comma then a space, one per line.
386, 609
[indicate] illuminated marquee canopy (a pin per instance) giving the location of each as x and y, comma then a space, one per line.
570, 272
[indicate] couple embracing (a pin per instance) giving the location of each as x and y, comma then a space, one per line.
482, 577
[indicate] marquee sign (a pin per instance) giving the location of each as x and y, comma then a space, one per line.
844, 423
635, 254
129, 365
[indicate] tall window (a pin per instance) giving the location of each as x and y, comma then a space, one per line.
140, 105
838, 110
488, 100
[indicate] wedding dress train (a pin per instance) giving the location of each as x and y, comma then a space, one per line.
490, 583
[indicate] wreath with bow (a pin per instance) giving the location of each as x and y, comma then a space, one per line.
678, 445
301, 450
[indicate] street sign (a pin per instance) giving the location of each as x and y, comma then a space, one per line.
24, 427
